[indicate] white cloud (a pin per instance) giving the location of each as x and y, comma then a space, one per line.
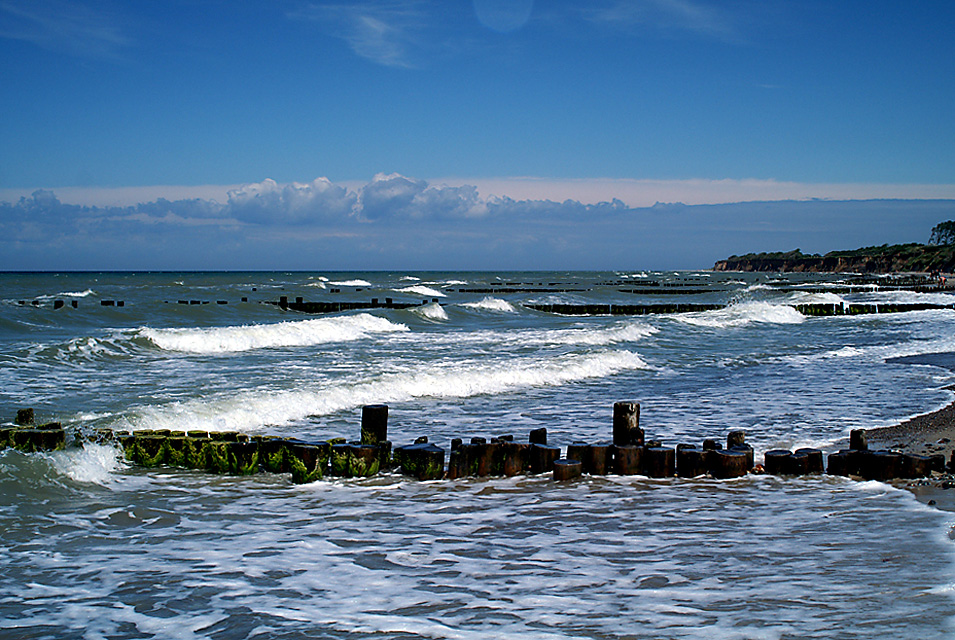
682, 15
386, 32
396, 196
73, 27
269, 203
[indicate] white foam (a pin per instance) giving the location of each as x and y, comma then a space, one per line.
351, 283
491, 304
421, 290
91, 464
431, 311
78, 294
253, 410
319, 284
282, 334
742, 314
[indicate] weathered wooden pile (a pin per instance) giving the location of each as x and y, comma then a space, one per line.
629, 453
27, 436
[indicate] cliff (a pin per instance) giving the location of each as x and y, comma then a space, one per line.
884, 259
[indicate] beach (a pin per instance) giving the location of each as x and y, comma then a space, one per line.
927, 434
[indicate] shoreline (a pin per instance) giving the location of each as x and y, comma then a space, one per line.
925, 434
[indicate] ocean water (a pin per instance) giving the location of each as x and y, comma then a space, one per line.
93, 547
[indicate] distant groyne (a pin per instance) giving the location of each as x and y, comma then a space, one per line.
629, 453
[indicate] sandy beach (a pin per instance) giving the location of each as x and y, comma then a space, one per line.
929, 433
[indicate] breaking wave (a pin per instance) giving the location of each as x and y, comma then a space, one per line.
255, 409
738, 315
422, 290
283, 334
491, 304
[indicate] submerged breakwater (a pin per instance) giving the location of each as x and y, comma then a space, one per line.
629, 454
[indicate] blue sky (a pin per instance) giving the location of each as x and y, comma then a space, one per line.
111, 103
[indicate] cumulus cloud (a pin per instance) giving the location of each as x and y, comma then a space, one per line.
395, 196
267, 202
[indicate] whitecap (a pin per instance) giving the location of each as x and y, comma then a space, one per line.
351, 283
283, 334
491, 304
431, 311
253, 410
742, 314
422, 290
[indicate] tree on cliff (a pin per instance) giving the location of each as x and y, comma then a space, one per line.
943, 233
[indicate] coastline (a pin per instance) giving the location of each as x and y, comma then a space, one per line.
929, 433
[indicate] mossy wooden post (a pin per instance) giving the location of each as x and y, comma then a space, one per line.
243, 457
272, 454
776, 461
814, 462
425, 461
659, 462
567, 469
490, 459
626, 424
216, 456
689, 461
25, 417
542, 458
308, 462
33, 440
627, 459
727, 464
458, 462
374, 423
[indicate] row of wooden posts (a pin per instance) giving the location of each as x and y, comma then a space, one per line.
628, 454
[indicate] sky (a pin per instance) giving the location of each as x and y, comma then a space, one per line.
471, 134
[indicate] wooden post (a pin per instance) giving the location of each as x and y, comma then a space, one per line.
659, 462
626, 424
776, 461
689, 461
814, 462
628, 459
880, 465
858, 440
542, 458
567, 469
727, 464
538, 436
516, 458
735, 439
374, 423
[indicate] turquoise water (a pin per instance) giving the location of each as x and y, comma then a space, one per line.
95, 548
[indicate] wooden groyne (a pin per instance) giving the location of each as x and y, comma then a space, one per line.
629, 453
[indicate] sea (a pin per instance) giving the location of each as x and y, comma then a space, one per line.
93, 547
